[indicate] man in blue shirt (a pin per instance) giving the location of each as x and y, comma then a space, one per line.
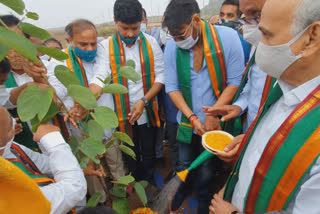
182, 18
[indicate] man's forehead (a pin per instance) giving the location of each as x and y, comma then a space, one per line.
251, 6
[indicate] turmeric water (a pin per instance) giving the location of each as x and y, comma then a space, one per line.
217, 141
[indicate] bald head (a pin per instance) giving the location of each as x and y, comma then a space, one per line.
251, 8
6, 131
79, 25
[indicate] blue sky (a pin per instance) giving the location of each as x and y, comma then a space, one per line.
57, 13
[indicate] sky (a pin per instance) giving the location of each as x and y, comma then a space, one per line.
58, 13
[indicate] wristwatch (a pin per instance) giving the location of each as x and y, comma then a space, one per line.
145, 101
235, 212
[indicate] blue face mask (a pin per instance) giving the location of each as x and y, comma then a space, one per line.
127, 41
87, 56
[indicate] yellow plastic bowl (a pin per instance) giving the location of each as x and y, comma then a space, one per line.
216, 141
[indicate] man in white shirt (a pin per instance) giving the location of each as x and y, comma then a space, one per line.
135, 116
56, 162
278, 166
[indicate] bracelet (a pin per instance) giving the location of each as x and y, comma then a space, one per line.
194, 119
192, 115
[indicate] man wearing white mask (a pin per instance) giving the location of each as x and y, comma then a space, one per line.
278, 165
248, 99
203, 67
56, 170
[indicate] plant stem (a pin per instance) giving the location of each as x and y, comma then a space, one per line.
3, 24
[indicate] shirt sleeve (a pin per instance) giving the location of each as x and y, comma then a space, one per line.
233, 54
243, 99
171, 76
102, 65
70, 187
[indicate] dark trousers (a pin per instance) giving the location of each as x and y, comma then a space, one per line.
171, 129
144, 141
202, 177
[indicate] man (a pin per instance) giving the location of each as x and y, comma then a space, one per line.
56, 170
278, 166
82, 37
137, 110
248, 99
229, 16
196, 76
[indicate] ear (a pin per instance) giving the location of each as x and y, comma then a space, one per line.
312, 44
69, 40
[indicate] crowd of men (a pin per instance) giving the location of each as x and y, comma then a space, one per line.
253, 71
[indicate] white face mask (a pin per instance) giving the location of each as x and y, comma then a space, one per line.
252, 34
188, 43
7, 147
4, 95
143, 27
275, 60
45, 57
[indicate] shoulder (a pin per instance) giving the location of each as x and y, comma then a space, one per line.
150, 39
171, 47
103, 43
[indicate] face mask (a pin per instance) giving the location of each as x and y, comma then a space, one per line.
275, 60
143, 27
45, 57
128, 41
252, 34
4, 95
189, 42
8, 145
231, 24
87, 56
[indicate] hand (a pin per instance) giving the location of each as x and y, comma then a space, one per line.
136, 111
231, 149
227, 111
18, 127
198, 127
219, 206
212, 123
35, 70
76, 114
43, 130
92, 170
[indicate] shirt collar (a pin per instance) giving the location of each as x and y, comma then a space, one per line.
295, 95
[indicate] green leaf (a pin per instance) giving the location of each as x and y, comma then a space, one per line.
131, 63
95, 130
94, 200
19, 43
105, 117
92, 148
129, 73
125, 180
84, 162
53, 111
4, 50
118, 191
83, 96
34, 102
144, 183
66, 76
128, 151
115, 89
16, 5
107, 80
53, 52
123, 137
141, 193
32, 15
73, 143
35, 123
121, 206
34, 31
109, 144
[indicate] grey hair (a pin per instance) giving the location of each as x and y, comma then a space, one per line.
306, 13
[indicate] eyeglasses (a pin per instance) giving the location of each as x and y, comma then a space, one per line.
252, 21
182, 36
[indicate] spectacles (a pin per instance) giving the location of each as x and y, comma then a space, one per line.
252, 21
182, 36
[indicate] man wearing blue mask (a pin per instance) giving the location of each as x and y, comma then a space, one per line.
82, 37
137, 110
278, 165
203, 67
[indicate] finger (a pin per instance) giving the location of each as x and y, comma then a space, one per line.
135, 117
211, 209
103, 173
231, 145
17, 119
229, 116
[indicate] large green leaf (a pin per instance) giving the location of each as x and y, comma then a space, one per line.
95, 130
128, 151
115, 89
118, 191
144, 183
83, 96
123, 137
141, 193
53, 111
53, 52
34, 102
73, 143
131, 63
105, 117
84, 162
94, 200
107, 80
66, 76
4, 50
32, 15
19, 43
125, 180
16, 5
92, 148
121, 206
129, 73
34, 31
